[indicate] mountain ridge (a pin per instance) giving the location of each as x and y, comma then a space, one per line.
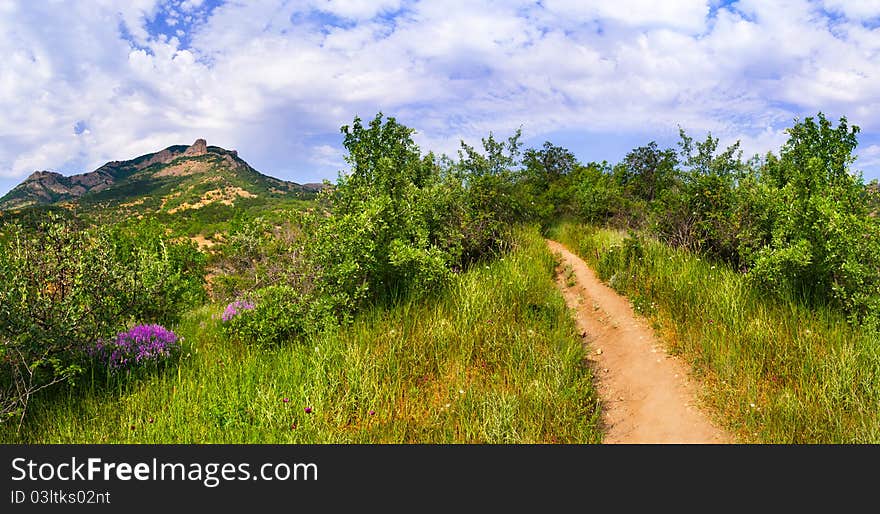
119, 180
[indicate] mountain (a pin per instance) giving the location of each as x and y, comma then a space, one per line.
176, 179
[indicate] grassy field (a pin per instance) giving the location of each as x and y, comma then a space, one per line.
492, 358
778, 371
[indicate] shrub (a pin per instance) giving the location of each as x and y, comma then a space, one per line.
60, 289
164, 277
142, 346
235, 308
824, 243
63, 287
274, 315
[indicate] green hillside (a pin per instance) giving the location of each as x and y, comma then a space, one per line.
193, 189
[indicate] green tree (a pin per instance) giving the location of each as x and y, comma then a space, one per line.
647, 171
709, 181
378, 240
824, 242
545, 181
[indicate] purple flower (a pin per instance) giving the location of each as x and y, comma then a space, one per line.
141, 345
235, 308
372, 413
285, 400
308, 410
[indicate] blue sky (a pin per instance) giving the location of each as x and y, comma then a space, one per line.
83, 83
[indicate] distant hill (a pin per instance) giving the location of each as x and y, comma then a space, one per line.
177, 179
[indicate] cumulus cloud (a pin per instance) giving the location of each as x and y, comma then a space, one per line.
685, 15
275, 79
855, 9
870, 157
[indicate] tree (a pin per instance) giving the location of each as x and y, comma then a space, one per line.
647, 171
378, 239
824, 242
548, 165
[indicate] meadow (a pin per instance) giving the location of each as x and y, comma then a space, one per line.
777, 369
493, 357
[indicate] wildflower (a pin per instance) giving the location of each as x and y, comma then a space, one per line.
150, 420
308, 410
293, 426
286, 399
372, 413
235, 308
140, 345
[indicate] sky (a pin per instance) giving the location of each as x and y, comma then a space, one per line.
86, 82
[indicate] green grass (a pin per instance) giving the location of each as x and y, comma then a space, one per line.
493, 358
775, 370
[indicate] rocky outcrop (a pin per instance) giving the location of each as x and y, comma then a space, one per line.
163, 157
200, 147
44, 176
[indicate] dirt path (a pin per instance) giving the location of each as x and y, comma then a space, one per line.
647, 395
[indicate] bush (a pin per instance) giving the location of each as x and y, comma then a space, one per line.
273, 315
824, 243
397, 225
165, 277
63, 287
141, 347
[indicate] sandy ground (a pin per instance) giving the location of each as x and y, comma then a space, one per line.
647, 395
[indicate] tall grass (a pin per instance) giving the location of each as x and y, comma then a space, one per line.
493, 358
776, 369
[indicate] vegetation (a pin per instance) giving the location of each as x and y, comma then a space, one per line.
399, 225
64, 287
492, 357
800, 224
777, 368
414, 301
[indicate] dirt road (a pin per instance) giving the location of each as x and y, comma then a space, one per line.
647, 395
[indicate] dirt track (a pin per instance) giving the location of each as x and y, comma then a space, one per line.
647, 395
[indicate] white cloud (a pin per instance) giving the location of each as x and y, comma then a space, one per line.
869, 156
356, 9
189, 5
276, 79
685, 15
855, 9
327, 155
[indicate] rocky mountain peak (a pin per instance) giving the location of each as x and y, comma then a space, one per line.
146, 174
200, 147
40, 175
